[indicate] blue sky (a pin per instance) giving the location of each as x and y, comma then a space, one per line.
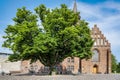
104, 13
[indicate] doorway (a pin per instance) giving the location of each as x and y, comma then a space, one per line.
95, 69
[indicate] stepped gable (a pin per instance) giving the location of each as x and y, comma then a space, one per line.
99, 38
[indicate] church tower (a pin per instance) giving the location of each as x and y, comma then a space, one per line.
75, 7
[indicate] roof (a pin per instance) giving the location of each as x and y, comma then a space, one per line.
4, 53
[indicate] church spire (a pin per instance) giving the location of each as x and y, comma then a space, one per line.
75, 7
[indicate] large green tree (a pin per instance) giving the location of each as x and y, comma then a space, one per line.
114, 63
63, 34
20, 36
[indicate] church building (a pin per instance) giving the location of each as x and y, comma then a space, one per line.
99, 63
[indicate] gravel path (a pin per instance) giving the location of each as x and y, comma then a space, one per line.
65, 77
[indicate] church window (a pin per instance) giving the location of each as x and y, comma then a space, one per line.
95, 57
98, 41
102, 42
95, 43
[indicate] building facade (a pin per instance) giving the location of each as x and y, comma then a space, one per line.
101, 59
99, 63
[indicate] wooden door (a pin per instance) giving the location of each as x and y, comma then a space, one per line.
95, 69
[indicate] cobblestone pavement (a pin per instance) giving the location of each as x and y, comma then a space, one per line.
65, 77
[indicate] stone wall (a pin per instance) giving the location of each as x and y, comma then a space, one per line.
8, 67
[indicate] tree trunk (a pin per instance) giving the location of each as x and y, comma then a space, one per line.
52, 71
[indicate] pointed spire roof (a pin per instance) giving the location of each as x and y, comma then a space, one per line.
75, 7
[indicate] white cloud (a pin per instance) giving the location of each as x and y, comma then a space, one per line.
107, 16
89, 11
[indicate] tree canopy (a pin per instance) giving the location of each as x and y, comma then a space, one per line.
63, 34
118, 67
114, 63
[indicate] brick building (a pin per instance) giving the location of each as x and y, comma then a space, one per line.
99, 63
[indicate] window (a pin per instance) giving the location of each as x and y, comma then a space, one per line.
95, 56
70, 60
70, 68
105, 43
102, 42
31, 67
98, 41
95, 43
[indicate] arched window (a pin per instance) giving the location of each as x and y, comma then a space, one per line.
95, 56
